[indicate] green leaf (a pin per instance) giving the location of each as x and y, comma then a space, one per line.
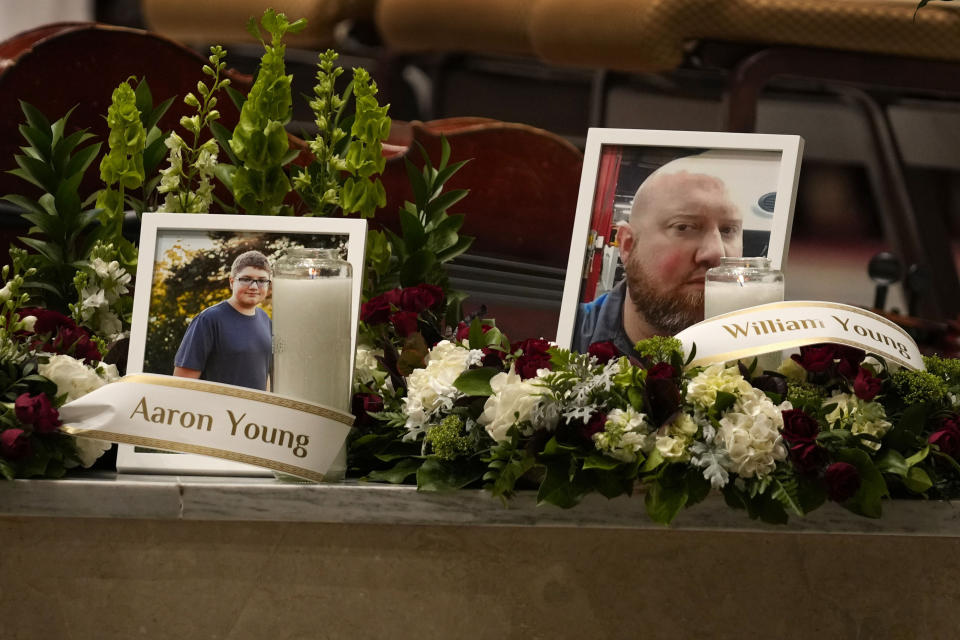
558, 487
416, 180
36, 119
867, 500
444, 235
413, 235
664, 503
449, 254
416, 267
475, 382
892, 461
48, 249
917, 480
441, 475
785, 492
444, 201
79, 162
398, 473
602, 462
236, 97
223, 135
724, 401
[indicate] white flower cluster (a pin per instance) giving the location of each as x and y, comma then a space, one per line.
702, 389
625, 433
366, 368
859, 416
674, 438
176, 183
430, 389
515, 401
98, 295
750, 434
75, 379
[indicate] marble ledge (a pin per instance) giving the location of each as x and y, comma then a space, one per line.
157, 497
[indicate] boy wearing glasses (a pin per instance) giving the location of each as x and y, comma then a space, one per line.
230, 342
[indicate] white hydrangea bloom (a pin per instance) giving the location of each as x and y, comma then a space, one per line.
702, 389
430, 389
514, 401
750, 434
625, 433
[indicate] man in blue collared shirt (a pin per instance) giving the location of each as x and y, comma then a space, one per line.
682, 222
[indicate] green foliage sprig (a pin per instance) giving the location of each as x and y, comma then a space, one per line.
56, 163
259, 145
187, 181
429, 235
343, 174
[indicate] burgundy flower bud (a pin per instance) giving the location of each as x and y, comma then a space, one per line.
850, 359
816, 358
661, 371
363, 404
47, 321
594, 425
37, 411
376, 310
405, 322
15, 444
843, 481
807, 457
603, 351
866, 386
947, 438
663, 398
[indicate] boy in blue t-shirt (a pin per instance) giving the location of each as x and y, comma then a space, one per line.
230, 342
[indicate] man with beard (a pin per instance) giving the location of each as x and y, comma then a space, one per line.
682, 222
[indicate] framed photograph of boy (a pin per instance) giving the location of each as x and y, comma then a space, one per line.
206, 306
655, 210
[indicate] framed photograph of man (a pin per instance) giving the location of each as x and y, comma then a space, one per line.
656, 209
206, 306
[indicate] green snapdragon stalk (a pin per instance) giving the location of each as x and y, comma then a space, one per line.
259, 142
343, 174
187, 181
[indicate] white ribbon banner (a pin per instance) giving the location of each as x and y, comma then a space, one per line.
779, 326
223, 421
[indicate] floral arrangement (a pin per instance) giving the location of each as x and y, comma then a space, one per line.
832, 423
441, 401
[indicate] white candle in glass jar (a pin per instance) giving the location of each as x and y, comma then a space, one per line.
722, 297
311, 329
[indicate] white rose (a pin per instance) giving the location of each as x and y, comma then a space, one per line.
513, 401
671, 448
71, 376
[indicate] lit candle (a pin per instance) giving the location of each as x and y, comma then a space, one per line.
311, 328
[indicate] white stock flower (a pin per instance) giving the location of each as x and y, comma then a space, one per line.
750, 433
74, 378
703, 388
28, 323
514, 401
5, 292
859, 416
430, 389
366, 364
625, 433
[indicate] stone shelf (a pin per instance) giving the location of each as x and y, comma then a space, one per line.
199, 498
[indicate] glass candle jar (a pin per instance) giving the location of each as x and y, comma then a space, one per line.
738, 283
312, 330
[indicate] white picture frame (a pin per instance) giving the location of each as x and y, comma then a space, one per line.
756, 165
158, 233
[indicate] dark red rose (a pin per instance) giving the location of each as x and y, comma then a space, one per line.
799, 427
376, 310
807, 457
15, 444
866, 386
392, 297
843, 481
420, 297
603, 351
405, 322
534, 356
47, 321
850, 359
74, 341
594, 425
37, 411
661, 371
363, 405
816, 358
947, 438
